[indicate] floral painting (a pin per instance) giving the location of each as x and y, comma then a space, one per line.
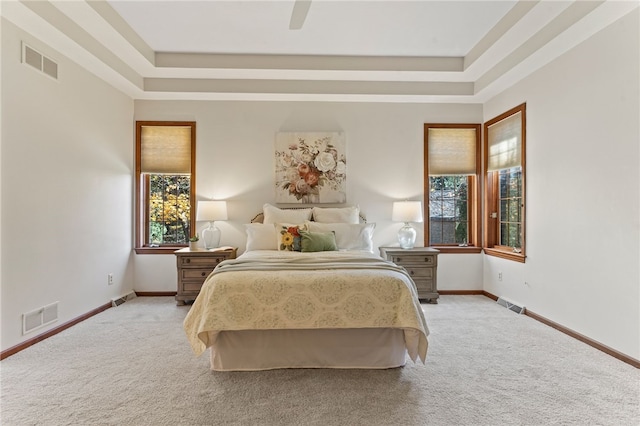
310, 168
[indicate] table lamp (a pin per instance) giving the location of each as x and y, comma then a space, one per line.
407, 211
211, 211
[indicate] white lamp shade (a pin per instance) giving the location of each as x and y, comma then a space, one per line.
407, 211
211, 211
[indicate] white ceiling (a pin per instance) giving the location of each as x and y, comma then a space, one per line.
360, 50
354, 28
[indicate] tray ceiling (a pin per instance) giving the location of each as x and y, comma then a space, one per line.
377, 50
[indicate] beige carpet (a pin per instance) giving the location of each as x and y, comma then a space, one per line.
131, 365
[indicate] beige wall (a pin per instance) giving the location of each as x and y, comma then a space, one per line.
583, 189
66, 189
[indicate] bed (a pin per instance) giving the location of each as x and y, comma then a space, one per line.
331, 304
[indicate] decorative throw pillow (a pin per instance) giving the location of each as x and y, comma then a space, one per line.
272, 214
336, 214
348, 236
289, 238
318, 241
261, 237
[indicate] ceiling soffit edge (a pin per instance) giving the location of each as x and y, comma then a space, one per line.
309, 87
108, 13
507, 22
309, 62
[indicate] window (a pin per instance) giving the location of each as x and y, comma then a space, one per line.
452, 164
505, 184
165, 185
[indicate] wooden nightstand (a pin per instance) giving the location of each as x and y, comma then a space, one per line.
422, 265
194, 266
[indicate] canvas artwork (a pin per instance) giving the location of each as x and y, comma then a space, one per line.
311, 168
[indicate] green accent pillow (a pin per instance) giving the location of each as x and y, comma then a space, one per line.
318, 241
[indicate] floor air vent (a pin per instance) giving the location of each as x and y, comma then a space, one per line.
511, 306
39, 318
117, 301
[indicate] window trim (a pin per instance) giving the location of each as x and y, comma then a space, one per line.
141, 208
491, 187
474, 193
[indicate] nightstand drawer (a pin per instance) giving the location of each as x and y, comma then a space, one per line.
424, 286
200, 261
408, 259
194, 274
191, 286
419, 272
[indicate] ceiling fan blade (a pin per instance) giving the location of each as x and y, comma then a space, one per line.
299, 14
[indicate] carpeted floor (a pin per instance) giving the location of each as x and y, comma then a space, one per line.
486, 365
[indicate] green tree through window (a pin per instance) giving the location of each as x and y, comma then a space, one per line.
449, 216
510, 202
169, 209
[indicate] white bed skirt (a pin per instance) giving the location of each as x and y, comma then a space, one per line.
251, 350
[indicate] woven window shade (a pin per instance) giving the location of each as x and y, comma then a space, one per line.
165, 149
504, 143
452, 151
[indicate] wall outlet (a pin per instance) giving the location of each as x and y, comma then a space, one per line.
110, 279
499, 276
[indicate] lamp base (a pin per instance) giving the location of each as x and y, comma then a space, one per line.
211, 236
407, 236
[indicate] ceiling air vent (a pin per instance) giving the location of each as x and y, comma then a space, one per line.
37, 60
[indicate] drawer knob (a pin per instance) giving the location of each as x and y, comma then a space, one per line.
187, 261
399, 259
203, 274
411, 272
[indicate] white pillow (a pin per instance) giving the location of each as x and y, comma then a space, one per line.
272, 215
336, 214
349, 236
261, 236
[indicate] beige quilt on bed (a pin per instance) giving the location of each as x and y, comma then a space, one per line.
291, 290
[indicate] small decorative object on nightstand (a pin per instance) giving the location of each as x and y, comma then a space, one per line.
422, 264
193, 242
194, 266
